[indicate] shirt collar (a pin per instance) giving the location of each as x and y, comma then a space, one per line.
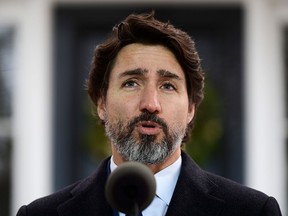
166, 179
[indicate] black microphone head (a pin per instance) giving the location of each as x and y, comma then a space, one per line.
129, 184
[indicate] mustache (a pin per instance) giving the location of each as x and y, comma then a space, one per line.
146, 116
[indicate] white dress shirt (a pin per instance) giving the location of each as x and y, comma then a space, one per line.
166, 181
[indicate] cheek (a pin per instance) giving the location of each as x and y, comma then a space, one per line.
179, 115
179, 120
118, 111
121, 103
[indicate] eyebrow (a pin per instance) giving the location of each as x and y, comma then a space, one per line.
137, 71
168, 74
142, 72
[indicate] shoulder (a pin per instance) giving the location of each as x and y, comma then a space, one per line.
49, 205
212, 183
234, 191
245, 199
238, 199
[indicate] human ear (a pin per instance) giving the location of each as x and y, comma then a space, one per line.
191, 112
101, 108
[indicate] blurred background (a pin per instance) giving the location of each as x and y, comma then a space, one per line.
48, 136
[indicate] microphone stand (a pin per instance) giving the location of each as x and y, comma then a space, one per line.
135, 209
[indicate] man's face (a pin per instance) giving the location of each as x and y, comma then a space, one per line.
146, 110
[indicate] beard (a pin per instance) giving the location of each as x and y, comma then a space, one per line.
147, 149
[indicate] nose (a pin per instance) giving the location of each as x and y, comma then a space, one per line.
149, 101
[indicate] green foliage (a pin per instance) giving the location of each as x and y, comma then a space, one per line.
95, 140
208, 130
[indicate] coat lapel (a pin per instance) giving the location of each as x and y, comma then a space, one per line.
88, 198
193, 193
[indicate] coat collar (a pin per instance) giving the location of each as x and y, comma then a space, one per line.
194, 192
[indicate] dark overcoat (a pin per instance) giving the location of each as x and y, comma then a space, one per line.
197, 193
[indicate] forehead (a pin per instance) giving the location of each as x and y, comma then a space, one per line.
149, 57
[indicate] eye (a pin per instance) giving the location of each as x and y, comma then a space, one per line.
168, 86
130, 84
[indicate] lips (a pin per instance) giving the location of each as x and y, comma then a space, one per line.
149, 128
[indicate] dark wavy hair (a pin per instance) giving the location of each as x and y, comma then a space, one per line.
145, 29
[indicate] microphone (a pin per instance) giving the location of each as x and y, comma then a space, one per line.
130, 188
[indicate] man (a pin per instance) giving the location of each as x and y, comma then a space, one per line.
146, 83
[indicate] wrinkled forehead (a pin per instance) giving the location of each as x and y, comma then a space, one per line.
144, 59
